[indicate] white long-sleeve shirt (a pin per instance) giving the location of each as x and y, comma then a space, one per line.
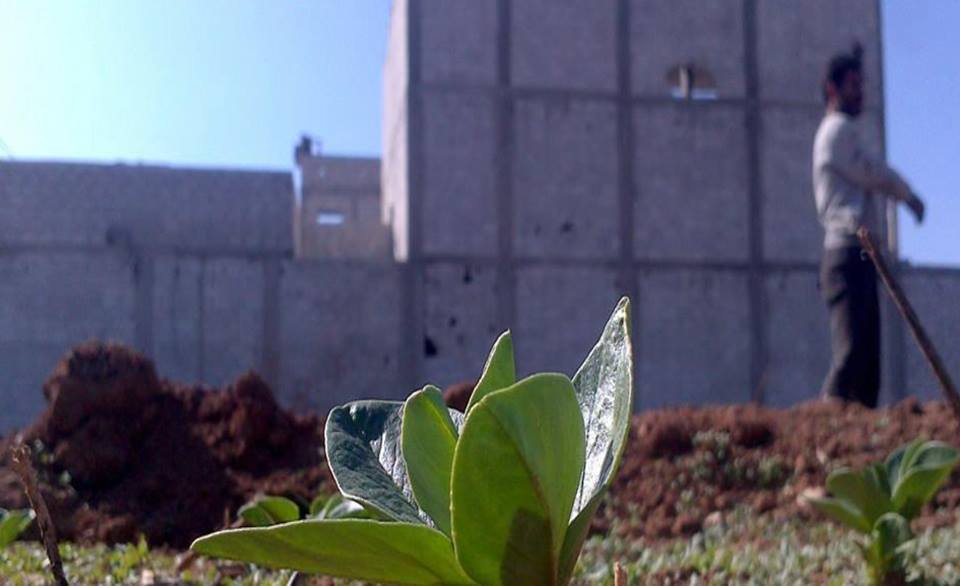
847, 180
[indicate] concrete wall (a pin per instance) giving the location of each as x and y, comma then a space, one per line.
395, 203
322, 332
48, 302
548, 158
933, 293
70, 205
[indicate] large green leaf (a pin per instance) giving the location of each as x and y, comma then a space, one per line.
576, 535
359, 549
269, 510
843, 512
498, 373
604, 390
604, 387
861, 490
364, 455
922, 476
515, 475
429, 440
13, 523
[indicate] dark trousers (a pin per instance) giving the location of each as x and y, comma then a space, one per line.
848, 283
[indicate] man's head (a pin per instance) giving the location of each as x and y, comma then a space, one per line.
843, 84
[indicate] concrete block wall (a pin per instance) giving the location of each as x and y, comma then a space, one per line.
395, 138
459, 212
195, 269
933, 293
69, 205
339, 333
48, 302
321, 332
548, 154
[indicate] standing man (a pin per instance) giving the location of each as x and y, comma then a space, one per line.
849, 188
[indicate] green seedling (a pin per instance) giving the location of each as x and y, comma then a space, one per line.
265, 511
881, 500
13, 523
502, 494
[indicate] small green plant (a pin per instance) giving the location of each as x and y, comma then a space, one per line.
881, 500
265, 510
13, 523
500, 495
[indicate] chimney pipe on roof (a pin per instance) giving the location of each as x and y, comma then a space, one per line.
303, 149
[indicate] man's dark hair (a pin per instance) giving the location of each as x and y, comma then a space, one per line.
840, 65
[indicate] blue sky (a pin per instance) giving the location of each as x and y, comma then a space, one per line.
235, 82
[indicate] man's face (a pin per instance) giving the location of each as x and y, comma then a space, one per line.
850, 94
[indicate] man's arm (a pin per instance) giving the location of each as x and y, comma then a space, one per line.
849, 161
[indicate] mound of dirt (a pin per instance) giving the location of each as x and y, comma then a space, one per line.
121, 452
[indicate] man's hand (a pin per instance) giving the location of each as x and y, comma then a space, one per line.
916, 206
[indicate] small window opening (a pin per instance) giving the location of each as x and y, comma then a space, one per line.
691, 82
329, 218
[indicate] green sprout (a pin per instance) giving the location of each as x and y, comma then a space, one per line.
881, 500
13, 523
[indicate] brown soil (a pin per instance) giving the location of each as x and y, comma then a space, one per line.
125, 453
121, 452
682, 465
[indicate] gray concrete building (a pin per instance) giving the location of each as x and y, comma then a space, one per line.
540, 159
338, 212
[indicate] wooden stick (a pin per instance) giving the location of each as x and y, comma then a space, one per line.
28, 477
619, 575
919, 334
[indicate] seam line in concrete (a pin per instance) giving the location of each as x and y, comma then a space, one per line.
201, 325
566, 94
627, 272
757, 289
144, 274
503, 165
412, 328
270, 341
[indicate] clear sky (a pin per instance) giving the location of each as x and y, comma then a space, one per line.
235, 82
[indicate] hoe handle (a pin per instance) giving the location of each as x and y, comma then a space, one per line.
906, 310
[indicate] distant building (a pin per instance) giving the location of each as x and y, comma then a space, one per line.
339, 210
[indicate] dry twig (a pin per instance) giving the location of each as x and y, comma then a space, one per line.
619, 575
28, 477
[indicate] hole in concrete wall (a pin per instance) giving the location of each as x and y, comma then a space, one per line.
566, 227
452, 322
688, 81
330, 218
429, 347
467, 276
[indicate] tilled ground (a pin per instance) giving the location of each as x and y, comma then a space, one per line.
684, 467
122, 452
